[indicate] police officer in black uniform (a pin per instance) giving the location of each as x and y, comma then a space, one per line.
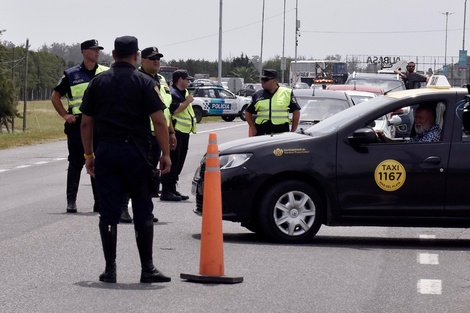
72, 85
116, 106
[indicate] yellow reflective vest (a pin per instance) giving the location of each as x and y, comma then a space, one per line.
79, 81
185, 121
166, 95
274, 109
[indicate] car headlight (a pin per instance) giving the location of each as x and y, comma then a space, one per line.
233, 160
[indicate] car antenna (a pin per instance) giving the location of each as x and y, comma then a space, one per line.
392, 89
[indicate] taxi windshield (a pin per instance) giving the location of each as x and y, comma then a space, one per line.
343, 118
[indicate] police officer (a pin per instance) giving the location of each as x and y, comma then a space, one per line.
72, 85
184, 122
150, 66
117, 106
272, 105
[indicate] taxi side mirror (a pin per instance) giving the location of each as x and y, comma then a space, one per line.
363, 135
395, 120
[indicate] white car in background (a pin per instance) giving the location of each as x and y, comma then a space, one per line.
384, 122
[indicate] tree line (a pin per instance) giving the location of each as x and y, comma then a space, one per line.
36, 79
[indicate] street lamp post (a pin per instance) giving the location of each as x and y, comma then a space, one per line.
297, 29
262, 35
283, 59
463, 40
445, 51
464, 20
219, 64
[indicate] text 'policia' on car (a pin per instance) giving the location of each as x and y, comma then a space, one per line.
339, 173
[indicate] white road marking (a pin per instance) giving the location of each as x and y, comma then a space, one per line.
428, 258
28, 165
23, 166
427, 236
430, 286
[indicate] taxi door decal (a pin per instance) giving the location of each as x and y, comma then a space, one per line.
390, 175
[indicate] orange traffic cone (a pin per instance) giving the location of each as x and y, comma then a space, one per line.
211, 266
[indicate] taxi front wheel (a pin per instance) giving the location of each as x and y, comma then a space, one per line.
290, 211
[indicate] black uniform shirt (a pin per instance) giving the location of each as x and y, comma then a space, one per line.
120, 100
177, 96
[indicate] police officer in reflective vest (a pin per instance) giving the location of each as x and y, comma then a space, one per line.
150, 58
272, 106
184, 122
72, 85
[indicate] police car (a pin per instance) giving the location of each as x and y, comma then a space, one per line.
215, 100
339, 173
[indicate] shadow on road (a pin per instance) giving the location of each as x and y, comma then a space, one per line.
118, 286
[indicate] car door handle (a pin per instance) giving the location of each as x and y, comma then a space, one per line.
432, 160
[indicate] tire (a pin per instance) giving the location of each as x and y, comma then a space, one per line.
242, 113
290, 212
228, 118
198, 113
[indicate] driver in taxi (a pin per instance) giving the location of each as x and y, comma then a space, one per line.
425, 126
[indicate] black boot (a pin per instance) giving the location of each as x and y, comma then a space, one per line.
144, 239
168, 195
109, 239
96, 205
125, 217
175, 192
73, 180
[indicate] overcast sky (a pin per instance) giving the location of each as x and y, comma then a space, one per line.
184, 29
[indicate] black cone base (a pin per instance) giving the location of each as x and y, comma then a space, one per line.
211, 279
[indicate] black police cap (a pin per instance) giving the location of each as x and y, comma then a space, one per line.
269, 73
90, 44
181, 74
126, 45
151, 53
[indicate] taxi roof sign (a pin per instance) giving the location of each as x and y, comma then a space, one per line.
438, 81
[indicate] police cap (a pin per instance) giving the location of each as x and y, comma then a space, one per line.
125, 46
269, 73
90, 44
151, 53
181, 74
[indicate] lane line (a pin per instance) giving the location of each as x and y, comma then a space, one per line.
428, 258
427, 236
430, 286
2, 170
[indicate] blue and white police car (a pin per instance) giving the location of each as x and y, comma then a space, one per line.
215, 100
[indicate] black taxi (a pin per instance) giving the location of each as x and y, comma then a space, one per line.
339, 173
